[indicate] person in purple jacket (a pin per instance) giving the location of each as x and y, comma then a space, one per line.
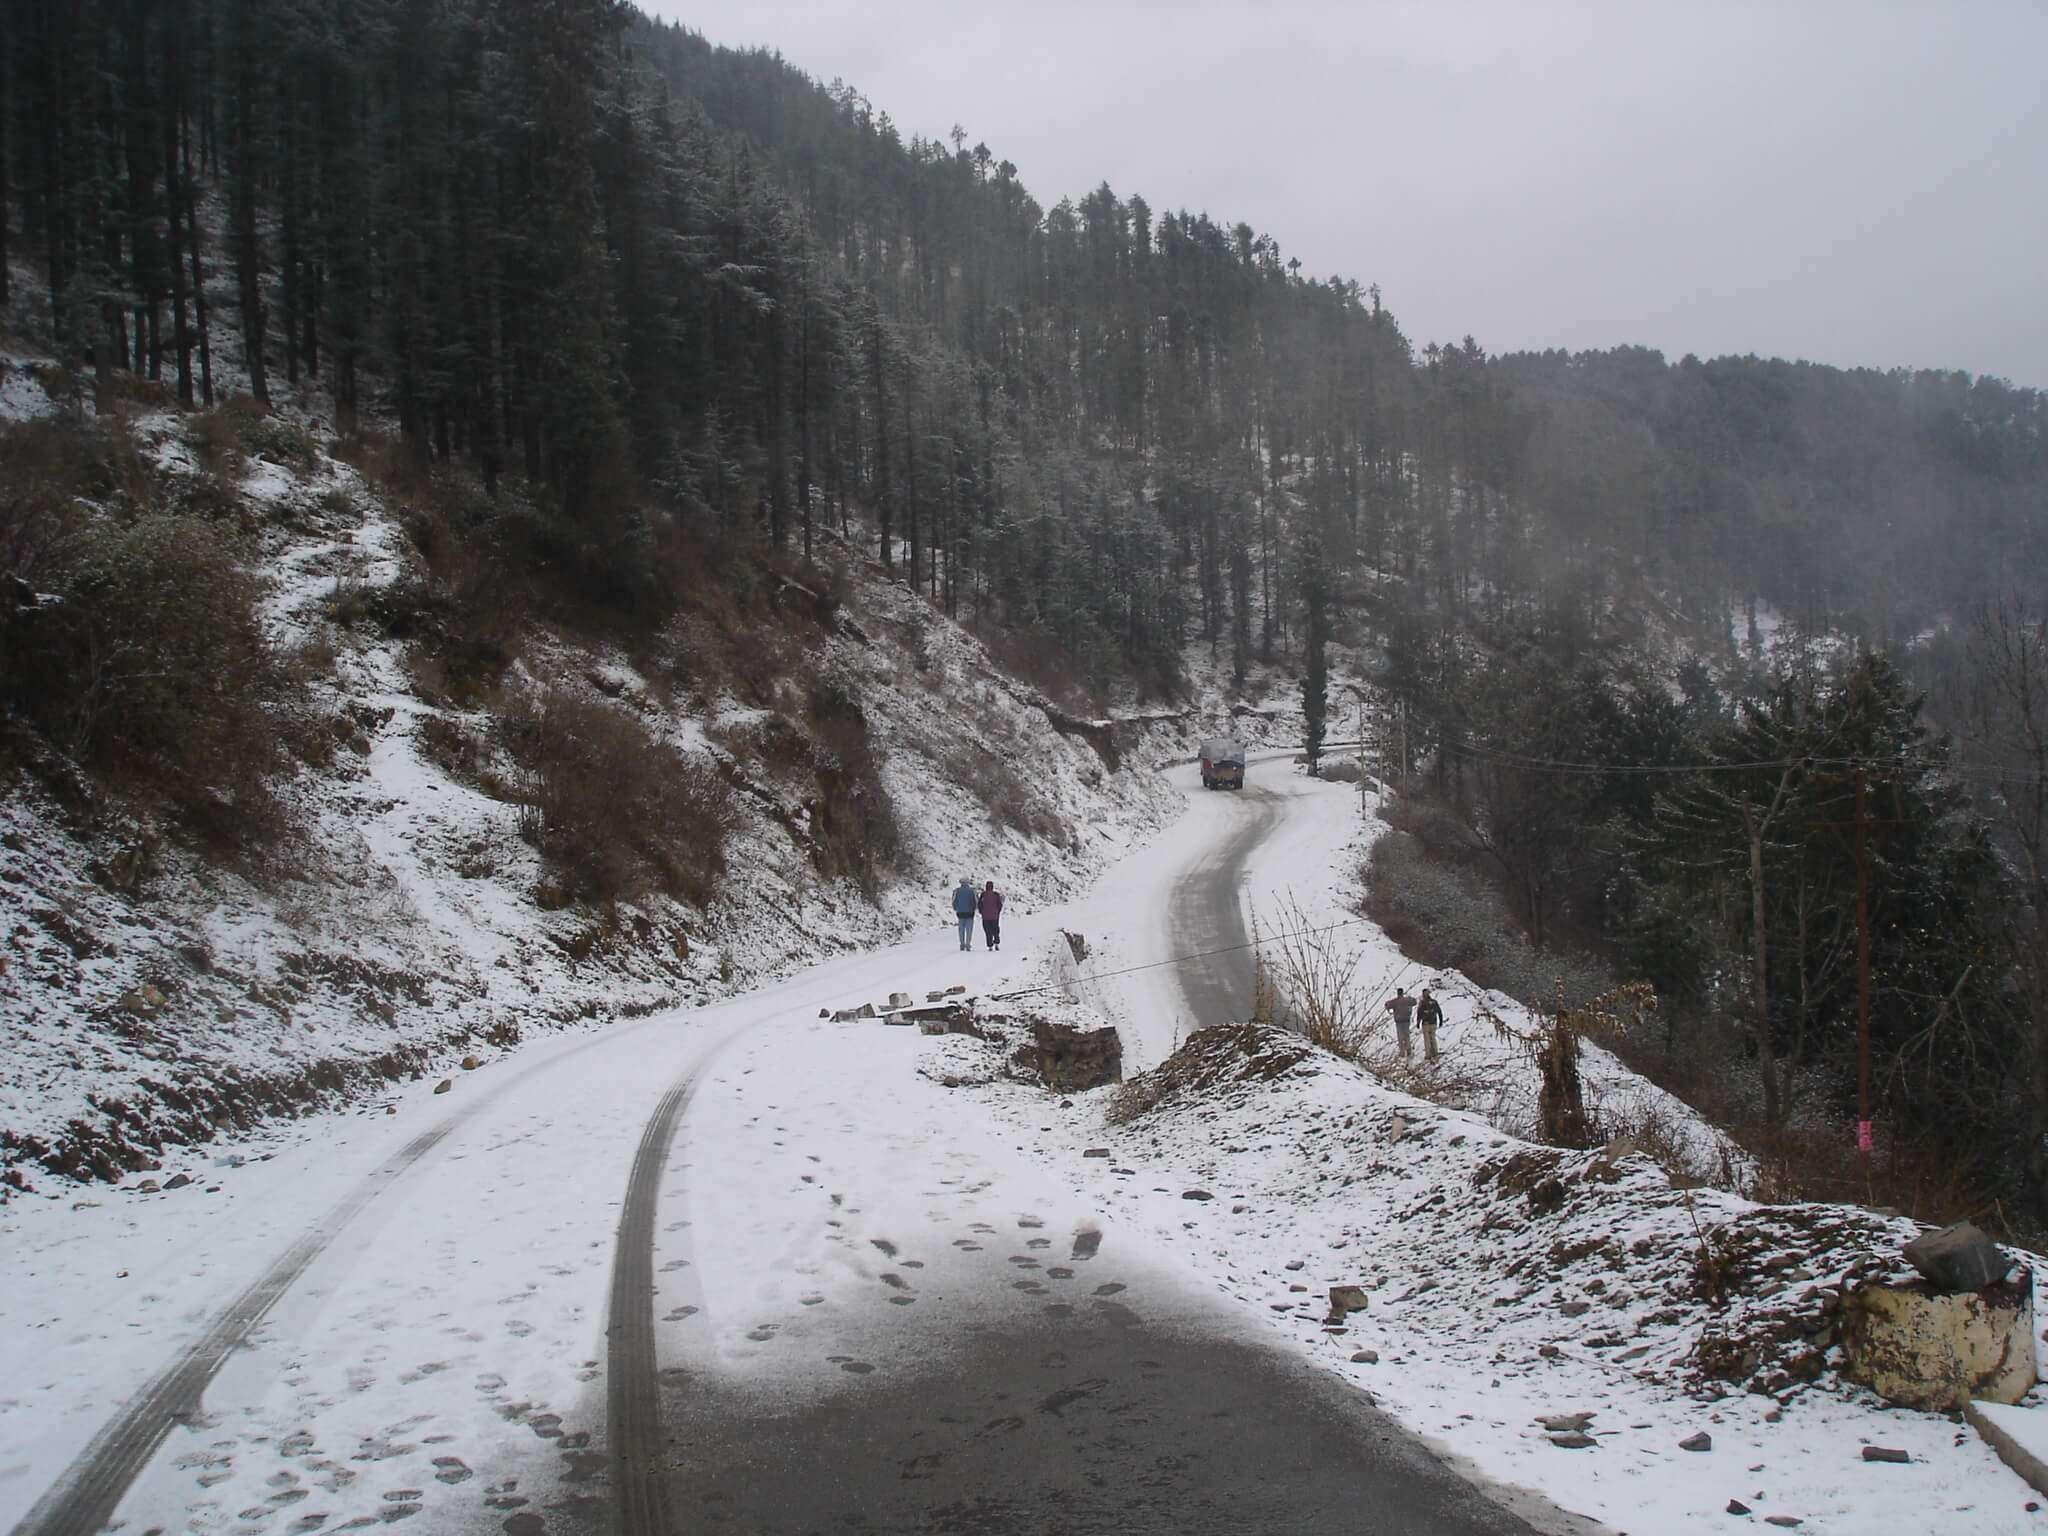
991, 908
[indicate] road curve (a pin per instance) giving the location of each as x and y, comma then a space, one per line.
1206, 917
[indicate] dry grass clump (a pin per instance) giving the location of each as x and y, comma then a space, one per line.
616, 811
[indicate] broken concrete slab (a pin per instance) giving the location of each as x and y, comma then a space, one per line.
2019, 1437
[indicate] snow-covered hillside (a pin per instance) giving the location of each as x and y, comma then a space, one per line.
153, 996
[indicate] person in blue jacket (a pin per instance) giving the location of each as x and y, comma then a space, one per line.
963, 908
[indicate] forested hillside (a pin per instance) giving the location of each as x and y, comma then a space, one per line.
677, 283
650, 302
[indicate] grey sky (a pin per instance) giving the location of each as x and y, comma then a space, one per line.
1860, 183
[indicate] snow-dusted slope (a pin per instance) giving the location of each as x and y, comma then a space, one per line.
151, 997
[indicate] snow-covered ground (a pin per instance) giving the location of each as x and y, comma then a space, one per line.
444, 1354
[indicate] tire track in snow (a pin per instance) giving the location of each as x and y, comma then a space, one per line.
85, 1496
632, 1369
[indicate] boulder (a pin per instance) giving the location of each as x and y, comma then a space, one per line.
864, 1011
444, 1085
1077, 944
1921, 1347
1697, 1442
956, 991
470, 1063
1345, 1300
1958, 1258
899, 999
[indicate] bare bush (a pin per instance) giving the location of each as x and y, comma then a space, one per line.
133, 641
989, 772
1310, 982
853, 820
615, 811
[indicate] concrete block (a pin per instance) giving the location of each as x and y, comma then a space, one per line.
1924, 1348
2018, 1435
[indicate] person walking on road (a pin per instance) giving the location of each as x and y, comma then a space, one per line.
1428, 1013
963, 909
991, 907
1402, 1007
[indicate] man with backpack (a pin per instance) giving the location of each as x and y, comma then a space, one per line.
991, 908
1428, 1013
963, 909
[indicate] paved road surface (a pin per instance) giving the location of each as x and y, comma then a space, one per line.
1101, 1395
1141, 1414
1207, 915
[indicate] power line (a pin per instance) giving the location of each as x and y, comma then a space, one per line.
1874, 765
1199, 954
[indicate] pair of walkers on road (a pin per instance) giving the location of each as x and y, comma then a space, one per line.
989, 903
1425, 1010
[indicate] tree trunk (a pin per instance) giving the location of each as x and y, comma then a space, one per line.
1760, 988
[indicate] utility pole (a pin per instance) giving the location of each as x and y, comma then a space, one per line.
1862, 975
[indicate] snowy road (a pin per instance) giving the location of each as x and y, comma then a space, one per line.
834, 1290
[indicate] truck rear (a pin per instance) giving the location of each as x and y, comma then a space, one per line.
1222, 763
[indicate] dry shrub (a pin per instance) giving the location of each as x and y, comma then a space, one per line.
984, 760
1449, 917
219, 435
1307, 980
457, 749
616, 812
853, 821
137, 649
1031, 654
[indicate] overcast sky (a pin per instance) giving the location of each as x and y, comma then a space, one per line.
1861, 183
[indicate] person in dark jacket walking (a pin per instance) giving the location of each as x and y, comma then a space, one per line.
1428, 1013
963, 909
991, 907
